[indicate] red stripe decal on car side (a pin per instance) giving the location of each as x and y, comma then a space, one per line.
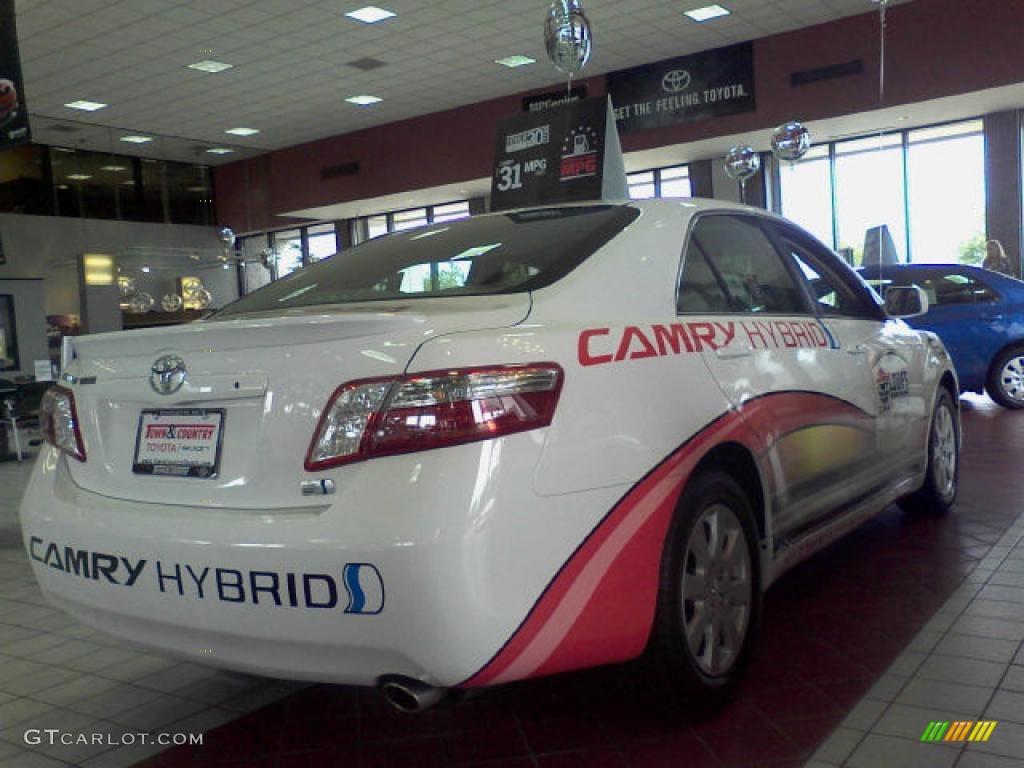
599, 607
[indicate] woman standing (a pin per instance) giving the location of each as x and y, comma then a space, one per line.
996, 259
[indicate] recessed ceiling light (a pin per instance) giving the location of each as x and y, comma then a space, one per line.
79, 176
145, 269
85, 106
363, 101
195, 189
219, 151
371, 14
113, 168
242, 131
518, 60
63, 186
707, 12
209, 65
136, 139
129, 181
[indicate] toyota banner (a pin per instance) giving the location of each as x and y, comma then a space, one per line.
13, 114
707, 84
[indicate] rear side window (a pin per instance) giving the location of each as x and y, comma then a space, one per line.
499, 253
731, 266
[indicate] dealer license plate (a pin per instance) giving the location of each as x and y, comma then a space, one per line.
179, 442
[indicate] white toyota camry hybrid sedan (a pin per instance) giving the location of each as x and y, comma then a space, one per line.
490, 449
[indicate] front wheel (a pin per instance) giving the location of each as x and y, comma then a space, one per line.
1006, 378
942, 479
710, 593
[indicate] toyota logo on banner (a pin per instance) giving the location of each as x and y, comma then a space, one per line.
675, 81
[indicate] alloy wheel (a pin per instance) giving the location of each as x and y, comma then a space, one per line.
717, 590
944, 455
1011, 378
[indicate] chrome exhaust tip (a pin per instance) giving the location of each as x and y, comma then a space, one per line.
409, 695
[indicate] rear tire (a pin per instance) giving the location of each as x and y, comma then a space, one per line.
709, 599
942, 479
1006, 378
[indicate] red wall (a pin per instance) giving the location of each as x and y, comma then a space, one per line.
934, 48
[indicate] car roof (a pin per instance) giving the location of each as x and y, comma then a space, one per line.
689, 205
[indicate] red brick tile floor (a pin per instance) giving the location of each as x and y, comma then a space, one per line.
830, 627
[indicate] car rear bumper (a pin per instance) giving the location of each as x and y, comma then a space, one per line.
345, 592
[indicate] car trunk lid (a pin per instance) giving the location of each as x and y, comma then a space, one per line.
260, 382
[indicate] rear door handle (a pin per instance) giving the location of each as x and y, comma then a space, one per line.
733, 352
859, 349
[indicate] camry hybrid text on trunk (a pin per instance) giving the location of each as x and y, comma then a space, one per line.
490, 449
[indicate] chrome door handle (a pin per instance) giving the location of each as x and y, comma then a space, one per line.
860, 349
733, 352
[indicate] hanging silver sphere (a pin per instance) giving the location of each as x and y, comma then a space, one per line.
567, 36
741, 163
790, 141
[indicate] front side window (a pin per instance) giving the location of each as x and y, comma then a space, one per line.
499, 253
731, 265
835, 293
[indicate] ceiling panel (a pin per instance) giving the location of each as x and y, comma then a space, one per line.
290, 60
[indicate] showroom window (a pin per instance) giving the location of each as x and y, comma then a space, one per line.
870, 192
411, 219
257, 270
642, 186
673, 181
450, 212
287, 245
926, 185
399, 221
322, 241
946, 193
272, 255
376, 226
807, 192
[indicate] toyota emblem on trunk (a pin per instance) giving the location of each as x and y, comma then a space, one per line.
167, 374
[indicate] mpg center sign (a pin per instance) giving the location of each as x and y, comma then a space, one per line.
566, 153
707, 84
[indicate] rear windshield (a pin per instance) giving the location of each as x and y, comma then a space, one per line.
497, 253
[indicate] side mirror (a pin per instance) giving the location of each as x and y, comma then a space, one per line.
905, 301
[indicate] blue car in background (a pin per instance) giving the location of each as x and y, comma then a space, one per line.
978, 314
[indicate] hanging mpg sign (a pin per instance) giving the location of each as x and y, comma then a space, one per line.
13, 114
707, 84
558, 155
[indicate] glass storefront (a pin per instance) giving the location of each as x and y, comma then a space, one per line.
926, 186
671, 181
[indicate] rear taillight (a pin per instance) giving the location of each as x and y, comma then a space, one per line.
383, 417
59, 421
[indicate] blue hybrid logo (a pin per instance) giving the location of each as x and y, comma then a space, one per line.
365, 588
